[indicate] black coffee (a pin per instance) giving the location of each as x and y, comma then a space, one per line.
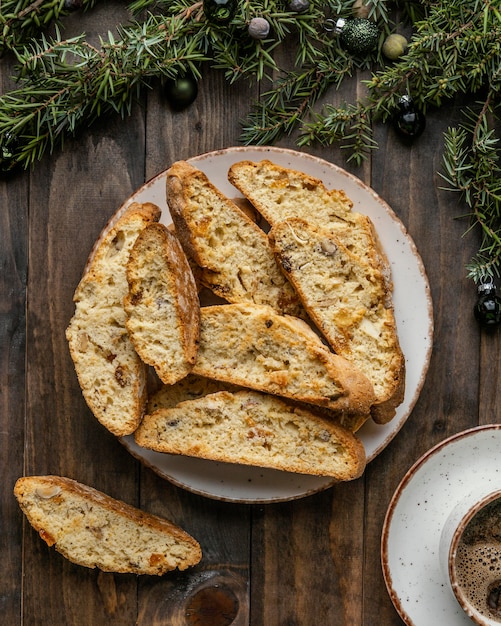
478, 561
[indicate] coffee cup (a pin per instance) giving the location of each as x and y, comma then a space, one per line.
470, 555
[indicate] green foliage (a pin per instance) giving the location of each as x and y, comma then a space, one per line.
454, 50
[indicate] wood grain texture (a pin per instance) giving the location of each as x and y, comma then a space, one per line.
303, 563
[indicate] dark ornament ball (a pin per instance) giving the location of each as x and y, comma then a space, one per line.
358, 35
487, 310
181, 92
220, 11
409, 122
9, 143
73, 5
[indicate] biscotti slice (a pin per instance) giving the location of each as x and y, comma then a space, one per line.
347, 299
255, 347
92, 529
279, 193
190, 388
111, 374
233, 253
252, 428
162, 305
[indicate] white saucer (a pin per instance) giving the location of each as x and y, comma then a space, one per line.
416, 515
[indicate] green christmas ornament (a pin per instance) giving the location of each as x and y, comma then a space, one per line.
220, 11
394, 46
357, 35
181, 92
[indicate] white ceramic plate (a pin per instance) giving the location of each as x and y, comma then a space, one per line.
417, 513
413, 311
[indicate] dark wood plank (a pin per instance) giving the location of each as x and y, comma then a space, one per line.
73, 194
13, 279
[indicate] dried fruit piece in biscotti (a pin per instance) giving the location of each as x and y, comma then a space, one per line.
162, 306
111, 374
252, 428
92, 529
255, 347
233, 253
348, 301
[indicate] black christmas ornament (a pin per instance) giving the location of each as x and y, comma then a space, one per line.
409, 122
220, 11
73, 5
181, 92
9, 143
487, 310
358, 35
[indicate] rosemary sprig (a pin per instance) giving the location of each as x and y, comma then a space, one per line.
21, 20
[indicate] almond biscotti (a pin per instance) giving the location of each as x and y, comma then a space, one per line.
162, 306
255, 347
111, 374
279, 193
92, 529
252, 428
347, 300
190, 388
233, 253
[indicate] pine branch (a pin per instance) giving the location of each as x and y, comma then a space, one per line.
20, 20
68, 83
472, 167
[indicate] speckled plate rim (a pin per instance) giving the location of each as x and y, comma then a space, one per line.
418, 509
412, 296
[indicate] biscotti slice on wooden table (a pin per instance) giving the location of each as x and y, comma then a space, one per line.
252, 428
191, 387
233, 253
348, 301
255, 347
279, 193
162, 305
92, 529
111, 374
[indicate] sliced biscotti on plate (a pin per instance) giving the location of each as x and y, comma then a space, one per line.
233, 253
191, 387
111, 374
92, 529
162, 305
347, 299
255, 347
253, 428
278, 193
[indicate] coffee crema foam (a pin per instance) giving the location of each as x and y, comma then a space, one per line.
478, 561
478, 566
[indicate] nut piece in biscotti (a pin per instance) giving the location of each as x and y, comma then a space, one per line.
347, 300
92, 529
233, 253
252, 428
162, 305
279, 193
111, 374
255, 347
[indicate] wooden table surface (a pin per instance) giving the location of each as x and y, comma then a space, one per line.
311, 561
